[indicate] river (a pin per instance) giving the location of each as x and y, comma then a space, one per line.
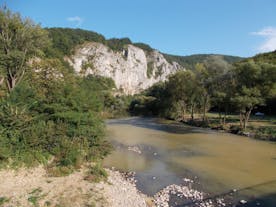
163, 153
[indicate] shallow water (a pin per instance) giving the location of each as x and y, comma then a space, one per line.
218, 162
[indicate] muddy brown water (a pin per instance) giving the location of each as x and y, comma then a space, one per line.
217, 162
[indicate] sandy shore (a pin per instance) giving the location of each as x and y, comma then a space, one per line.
32, 187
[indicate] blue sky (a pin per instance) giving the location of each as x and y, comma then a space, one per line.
181, 27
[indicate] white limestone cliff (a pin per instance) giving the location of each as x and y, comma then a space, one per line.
132, 69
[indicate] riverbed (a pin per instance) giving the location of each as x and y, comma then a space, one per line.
163, 153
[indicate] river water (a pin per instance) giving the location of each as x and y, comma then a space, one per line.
217, 162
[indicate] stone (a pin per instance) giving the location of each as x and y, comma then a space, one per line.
243, 201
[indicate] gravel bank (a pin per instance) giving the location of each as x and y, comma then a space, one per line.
32, 187
122, 192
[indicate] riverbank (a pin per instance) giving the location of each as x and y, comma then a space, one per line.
262, 128
33, 187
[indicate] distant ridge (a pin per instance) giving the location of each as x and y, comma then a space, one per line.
66, 39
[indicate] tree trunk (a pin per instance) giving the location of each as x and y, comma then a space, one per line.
11, 82
204, 110
224, 118
1, 80
205, 107
246, 118
220, 119
183, 110
244, 123
192, 111
241, 120
183, 113
225, 114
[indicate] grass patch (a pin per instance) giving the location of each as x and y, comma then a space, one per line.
96, 173
59, 171
33, 200
36, 191
3, 200
47, 203
35, 196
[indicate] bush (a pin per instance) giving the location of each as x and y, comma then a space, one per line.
235, 129
266, 133
65, 125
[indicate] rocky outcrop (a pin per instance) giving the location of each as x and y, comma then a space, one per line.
131, 68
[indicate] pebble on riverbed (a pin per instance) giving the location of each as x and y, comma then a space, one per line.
123, 191
162, 198
134, 149
188, 180
243, 201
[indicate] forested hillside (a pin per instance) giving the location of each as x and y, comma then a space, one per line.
190, 61
269, 57
66, 39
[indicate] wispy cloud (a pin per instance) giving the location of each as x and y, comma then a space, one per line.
269, 33
76, 19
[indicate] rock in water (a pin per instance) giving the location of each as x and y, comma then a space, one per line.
243, 201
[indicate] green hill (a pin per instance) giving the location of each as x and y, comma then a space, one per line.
269, 57
66, 39
190, 61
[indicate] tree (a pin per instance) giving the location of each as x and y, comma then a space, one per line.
221, 94
254, 83
48, 77
20, 40
214, 78
184, 92
205, 81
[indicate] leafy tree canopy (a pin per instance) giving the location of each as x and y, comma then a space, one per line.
20, 40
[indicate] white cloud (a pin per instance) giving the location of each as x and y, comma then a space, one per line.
269, 33
76, 19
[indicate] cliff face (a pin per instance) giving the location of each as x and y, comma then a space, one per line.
132, 68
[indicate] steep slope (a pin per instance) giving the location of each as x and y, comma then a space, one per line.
131, 68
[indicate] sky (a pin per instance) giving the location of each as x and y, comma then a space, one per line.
181, 27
